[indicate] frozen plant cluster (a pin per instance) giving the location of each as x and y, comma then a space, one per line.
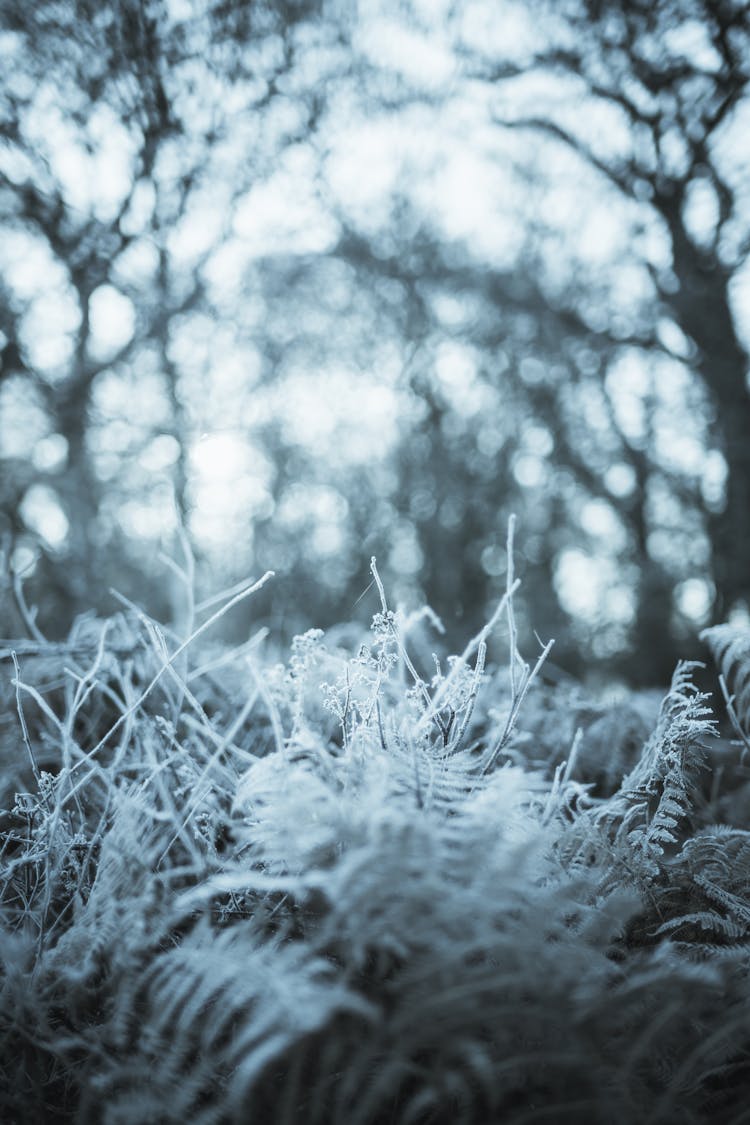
366, 887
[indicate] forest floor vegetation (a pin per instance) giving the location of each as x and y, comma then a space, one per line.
366, 887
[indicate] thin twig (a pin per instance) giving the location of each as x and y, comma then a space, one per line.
463, 659
22, 719
28, 616
418, 681
516, 703
469, 708
512, 630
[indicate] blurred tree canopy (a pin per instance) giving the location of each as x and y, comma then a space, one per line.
314, 284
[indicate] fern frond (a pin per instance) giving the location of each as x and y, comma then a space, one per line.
668, 772
730, 648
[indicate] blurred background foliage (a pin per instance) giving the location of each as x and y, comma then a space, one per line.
312, 281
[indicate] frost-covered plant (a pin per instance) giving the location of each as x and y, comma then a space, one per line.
361, 887
730, 647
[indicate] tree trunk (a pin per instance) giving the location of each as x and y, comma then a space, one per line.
78, 492
704, 312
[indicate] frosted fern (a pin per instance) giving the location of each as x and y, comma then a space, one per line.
364, 885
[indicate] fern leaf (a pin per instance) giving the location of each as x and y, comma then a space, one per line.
730, 648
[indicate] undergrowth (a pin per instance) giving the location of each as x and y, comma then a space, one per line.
368, 886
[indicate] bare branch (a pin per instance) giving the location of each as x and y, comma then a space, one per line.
623, 179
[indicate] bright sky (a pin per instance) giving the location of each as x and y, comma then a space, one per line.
465, 173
